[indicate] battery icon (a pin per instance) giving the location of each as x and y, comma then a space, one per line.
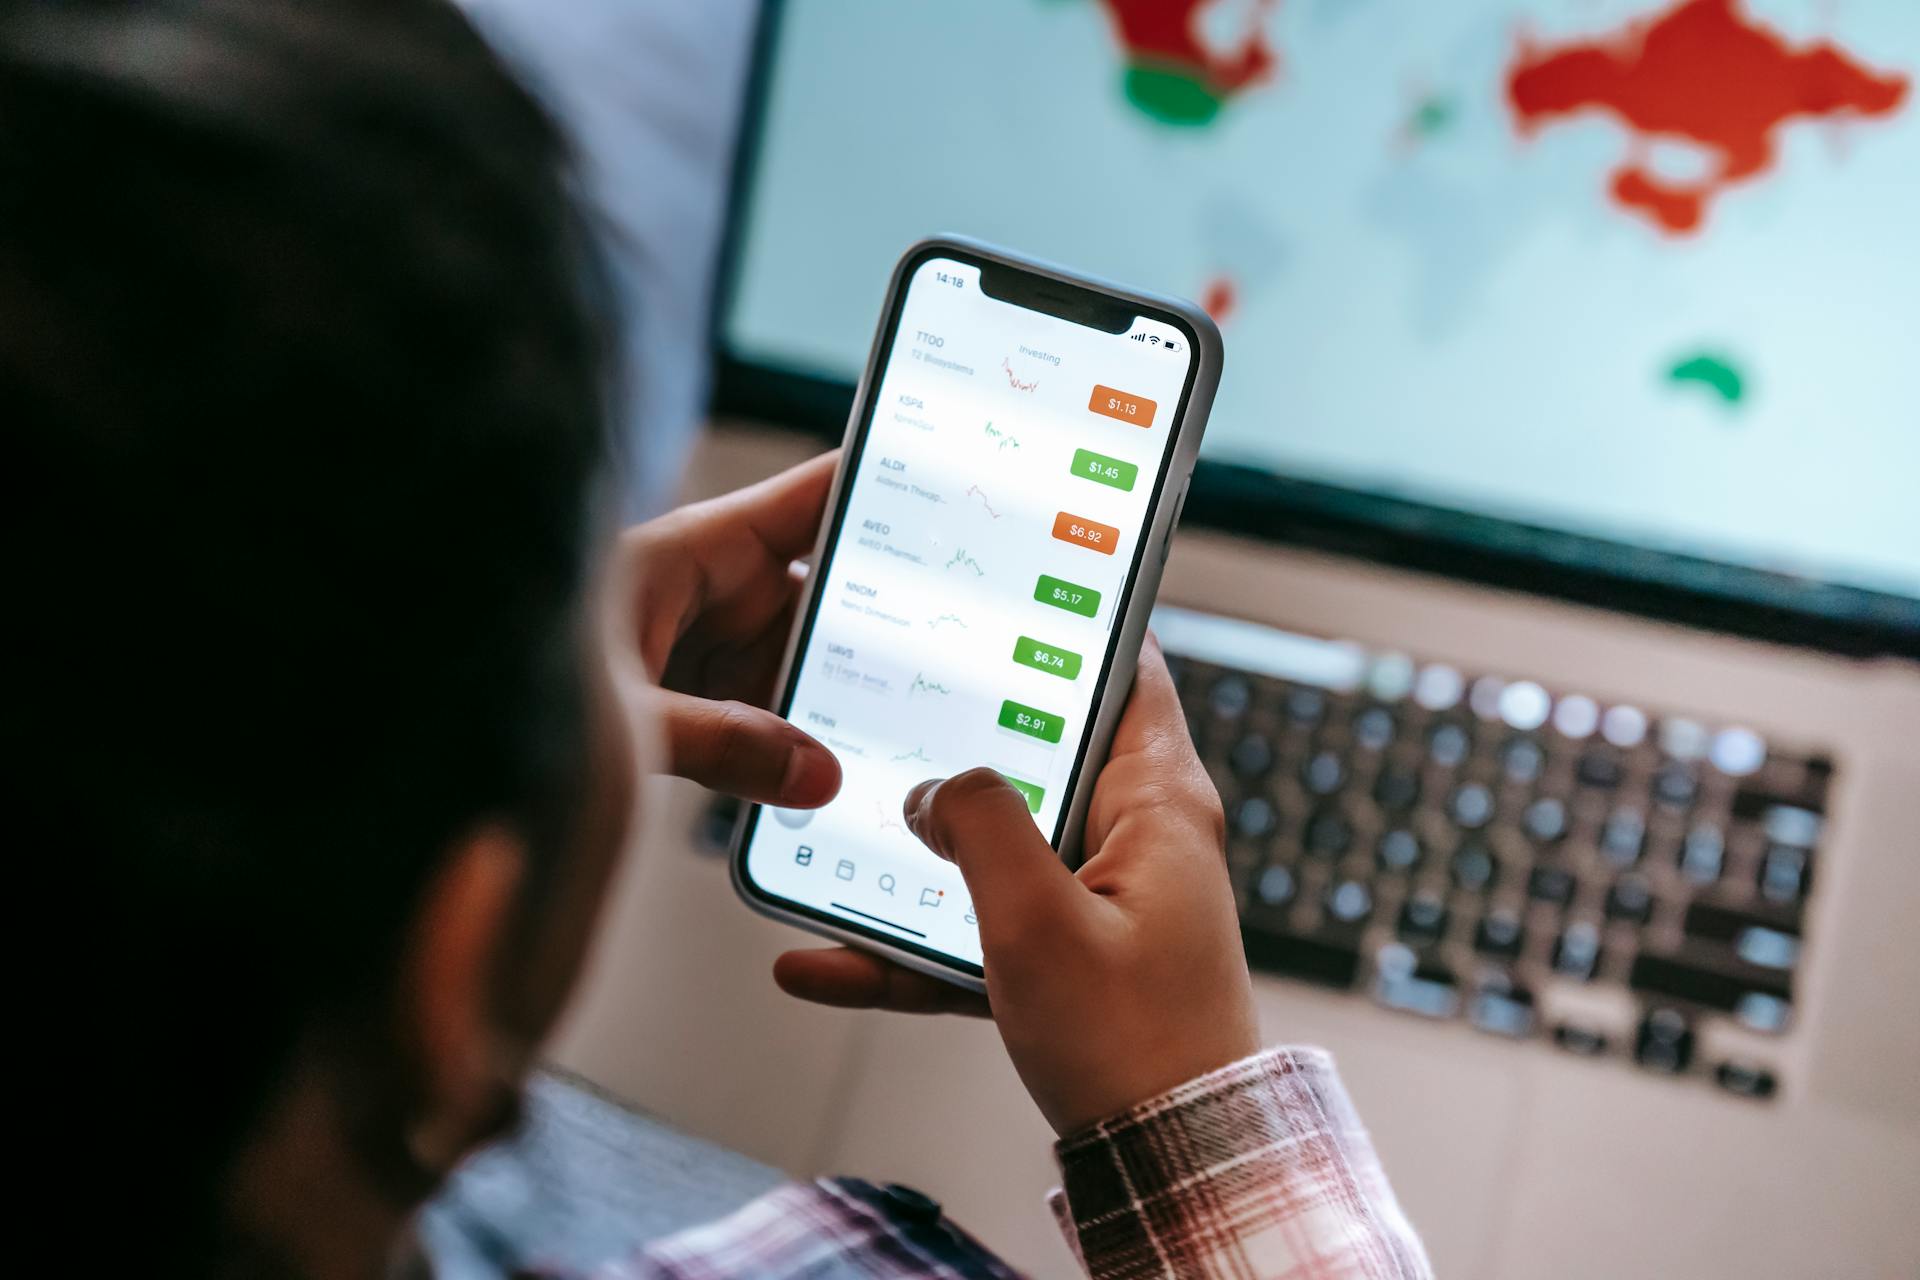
1172, 345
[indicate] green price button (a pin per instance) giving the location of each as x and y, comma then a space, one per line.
1033, 794
1021, 718
1055, 661
1070, 596
1101, 469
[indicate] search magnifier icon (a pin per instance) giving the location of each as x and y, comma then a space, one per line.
886, 884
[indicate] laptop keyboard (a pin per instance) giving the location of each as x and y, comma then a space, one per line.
1541, 865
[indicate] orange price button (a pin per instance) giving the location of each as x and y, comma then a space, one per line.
1119, 405
1091, 534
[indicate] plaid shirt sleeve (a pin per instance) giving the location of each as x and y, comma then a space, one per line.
832, 1229
1259, 1171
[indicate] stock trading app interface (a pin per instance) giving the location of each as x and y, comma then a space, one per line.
994, 511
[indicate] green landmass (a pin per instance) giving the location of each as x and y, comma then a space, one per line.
1432, 116
1716, 373
1171, 96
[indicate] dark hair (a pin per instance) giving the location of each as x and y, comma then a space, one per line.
303, 378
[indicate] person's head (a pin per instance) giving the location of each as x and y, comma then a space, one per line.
303, 377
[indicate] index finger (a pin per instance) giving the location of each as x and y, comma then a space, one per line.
783, 512
730, 551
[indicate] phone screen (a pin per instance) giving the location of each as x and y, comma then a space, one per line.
987, 535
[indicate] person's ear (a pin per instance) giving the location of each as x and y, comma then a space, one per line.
467, 1063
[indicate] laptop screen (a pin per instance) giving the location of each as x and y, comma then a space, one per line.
1642, 272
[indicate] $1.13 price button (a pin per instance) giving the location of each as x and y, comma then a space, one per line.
1122, 407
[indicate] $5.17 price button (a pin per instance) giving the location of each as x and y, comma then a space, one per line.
1070, 596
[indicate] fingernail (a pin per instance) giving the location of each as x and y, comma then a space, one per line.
812, 775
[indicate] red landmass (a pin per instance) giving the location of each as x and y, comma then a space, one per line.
1218, 299
1704, 73
1166, 33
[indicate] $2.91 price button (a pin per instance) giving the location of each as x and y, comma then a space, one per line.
1031, 721
1090, 534
1122, 407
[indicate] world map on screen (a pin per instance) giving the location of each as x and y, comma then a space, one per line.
1631, 268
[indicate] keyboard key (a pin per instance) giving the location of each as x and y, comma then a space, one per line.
1525, 705
1323, 774
1545, 820
1328, 834
1600, 769
1790, 824
1329, 962
1738, 752
1664, 1042
1763, 1012
1398, 851
1630, 899
1396, 790
1438, 687
1448, 744
1683, 739
1723, 987
1755, 804
1768, 948
1255, 818
1401, 983
1230, 697
1501, 1009
1474, 867
1305, 704
1674, 786
1623, 837
1373, 729
1550, 884
1625, 727
1580, 1040
1523, 759
1349, 902
1251, 757
1500, 934
1276, 886
1391, 677
1576, 954
1471, 806
1731, 926
1576, 716
1783, 873
1746, 1081
1423, 919
1703, 853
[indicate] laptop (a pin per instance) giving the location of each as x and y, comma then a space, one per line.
1546, 605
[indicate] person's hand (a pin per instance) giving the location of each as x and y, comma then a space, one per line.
712, 597
1110, 985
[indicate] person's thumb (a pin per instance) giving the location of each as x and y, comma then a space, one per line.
980, 823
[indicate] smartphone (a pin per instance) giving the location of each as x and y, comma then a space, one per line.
1016, 459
